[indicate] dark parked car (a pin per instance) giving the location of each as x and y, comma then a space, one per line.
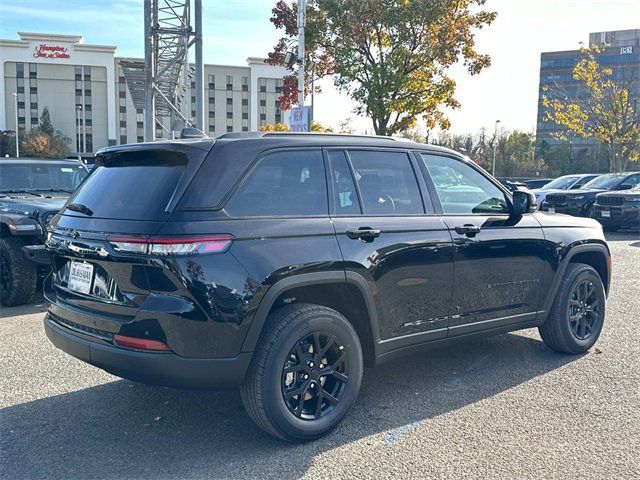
284, 263
511, 184
580, 202
31, 193
619, 209
533, 183
566, 182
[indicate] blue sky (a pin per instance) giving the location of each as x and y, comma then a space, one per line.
237, 29
234, 29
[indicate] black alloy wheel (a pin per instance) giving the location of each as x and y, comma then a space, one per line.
584, 309
314, 375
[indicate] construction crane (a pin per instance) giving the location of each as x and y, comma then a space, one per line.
159, 85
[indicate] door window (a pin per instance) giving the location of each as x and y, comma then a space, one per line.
462, 189
387, 183
288, 183
345, 196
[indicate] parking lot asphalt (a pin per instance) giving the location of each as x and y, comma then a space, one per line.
500, 407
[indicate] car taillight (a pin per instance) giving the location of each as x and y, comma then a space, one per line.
170, 246
139, 343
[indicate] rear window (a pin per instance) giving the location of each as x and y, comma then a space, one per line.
131, 188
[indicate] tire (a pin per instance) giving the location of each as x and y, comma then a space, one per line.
567, 329
18, 276
289, 330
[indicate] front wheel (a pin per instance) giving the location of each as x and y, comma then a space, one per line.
305, 373
18, 276
577, 315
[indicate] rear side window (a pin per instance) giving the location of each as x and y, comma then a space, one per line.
387, 182
131, 188
286, 183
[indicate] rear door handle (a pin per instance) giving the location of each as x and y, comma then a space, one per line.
467, 229
366, 234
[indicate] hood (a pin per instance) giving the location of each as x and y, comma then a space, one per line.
635, 192
26, 204
560, 220
584, 191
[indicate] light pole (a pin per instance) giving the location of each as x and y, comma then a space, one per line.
302, 10
495, 138
78, 110
17, 128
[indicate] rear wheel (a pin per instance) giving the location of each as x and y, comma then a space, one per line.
18, 276
577, 316
305, 373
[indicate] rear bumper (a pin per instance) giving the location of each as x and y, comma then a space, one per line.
156, 368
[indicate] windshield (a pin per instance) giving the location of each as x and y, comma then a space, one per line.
606, 182
41, 176
561, 183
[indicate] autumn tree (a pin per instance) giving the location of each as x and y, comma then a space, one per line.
391, 56
604, 107
44, 141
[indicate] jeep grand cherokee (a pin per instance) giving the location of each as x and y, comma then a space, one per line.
284, 263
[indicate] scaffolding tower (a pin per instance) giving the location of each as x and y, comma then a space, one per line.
159, 85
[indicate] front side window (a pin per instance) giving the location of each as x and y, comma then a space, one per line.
461, 189
287, 183
387, 182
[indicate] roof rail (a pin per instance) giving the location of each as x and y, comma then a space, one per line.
310, 134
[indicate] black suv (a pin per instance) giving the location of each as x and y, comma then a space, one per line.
619, 209
32, 191
580, 202
284, 263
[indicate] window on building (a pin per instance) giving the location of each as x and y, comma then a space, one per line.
34, 106
122, 94
245, 84
229, 101
19, 69
33, 70
123, 109
278, 86
263, 116
229, 82
78, 92
21, 121
87, 92
87, 73
212, 114
123, 124
245, 129
212, 128
229, 114
139, 124
263, 103
263, 84
87, 108
20, 104
34, 121
140, 138
229, 129
212, 100
89, 138
245, 102
245, 116
278, 118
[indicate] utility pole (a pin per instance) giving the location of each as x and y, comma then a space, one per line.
17, 129
302, 18
78, 110
495, 144
199, 93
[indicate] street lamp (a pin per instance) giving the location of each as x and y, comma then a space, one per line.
495, 137
78, 110
17, 129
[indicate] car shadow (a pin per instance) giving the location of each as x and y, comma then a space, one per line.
124, 429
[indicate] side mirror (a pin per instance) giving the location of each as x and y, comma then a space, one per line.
626, 186
524, 201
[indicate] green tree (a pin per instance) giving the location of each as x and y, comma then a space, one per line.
45, 123
603, 108
390, 56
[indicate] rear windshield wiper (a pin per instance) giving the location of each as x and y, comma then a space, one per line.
78, 207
